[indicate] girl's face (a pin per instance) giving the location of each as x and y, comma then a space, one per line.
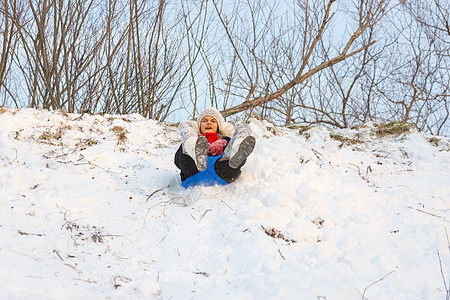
208, 124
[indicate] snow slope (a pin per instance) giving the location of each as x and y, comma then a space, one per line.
91, 208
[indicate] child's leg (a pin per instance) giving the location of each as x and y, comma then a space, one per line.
226, 172
185, 163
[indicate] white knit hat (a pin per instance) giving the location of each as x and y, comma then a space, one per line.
213, 113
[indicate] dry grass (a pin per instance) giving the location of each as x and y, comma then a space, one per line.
394, 129
345, 140
434, 141
121, 134
51, 138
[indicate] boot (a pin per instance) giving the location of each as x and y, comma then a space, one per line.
201, 153
245, 148
240, 146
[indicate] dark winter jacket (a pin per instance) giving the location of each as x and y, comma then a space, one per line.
188, 168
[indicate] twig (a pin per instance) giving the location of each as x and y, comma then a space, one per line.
85, 280
163, 239
422, 211
369, 169
281, 254
206, 212
78, 118
364, 293
109, 235
91, 163
148, 210
76, 270
359, 170
447, 289
26, 233
119, 257
155, 193
316, 153
54, 251
121, 278
448, 240
11, 161
202, 273
227, 205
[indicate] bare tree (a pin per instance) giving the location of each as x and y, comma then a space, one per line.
414, 86
290, 62
432, 51
148, 68
8, 42
59, 42
317, 16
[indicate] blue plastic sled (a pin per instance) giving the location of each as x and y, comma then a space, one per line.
207, 177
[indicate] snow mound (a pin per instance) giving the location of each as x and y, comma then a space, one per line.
91, 206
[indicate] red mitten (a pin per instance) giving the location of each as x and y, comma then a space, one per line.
216, 148
211, 136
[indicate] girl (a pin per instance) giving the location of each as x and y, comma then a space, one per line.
212, 137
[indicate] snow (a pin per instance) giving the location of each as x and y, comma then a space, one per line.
91, 207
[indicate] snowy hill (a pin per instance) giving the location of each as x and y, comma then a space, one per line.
91, 208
